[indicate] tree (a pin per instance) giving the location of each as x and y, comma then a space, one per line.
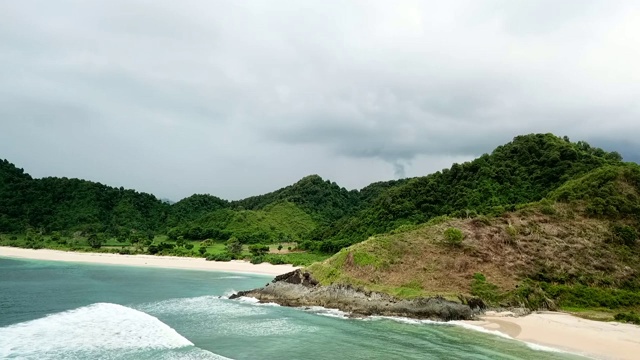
202, 250
55, 236
234, 247
95, 241
279, 247
181, 241
258, 249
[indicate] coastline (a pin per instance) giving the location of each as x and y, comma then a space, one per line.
169, 262
565, 332
561, 331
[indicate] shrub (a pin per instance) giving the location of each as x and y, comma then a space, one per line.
546, 207
453, 236
258, 249
275, 260
485, 290
220, 257
512, 231
95, 241
630, 317
234, 246
625, 235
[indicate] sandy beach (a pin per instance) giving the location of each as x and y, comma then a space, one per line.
594, 339
171, 262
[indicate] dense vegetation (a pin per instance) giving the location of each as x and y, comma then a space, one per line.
61, 204
323, 200
522, 171
313, 216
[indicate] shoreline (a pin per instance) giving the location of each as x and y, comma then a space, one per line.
168, 262
567, 333
555, 330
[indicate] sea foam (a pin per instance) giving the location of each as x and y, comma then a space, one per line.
223, 317
95, 330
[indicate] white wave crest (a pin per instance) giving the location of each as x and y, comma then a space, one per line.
328, 312
95, 328
241, 316
203, 307
254, 301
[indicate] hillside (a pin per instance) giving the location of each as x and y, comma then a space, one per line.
579, 248
194, 207
312, 215
324, 200
279, 222
50, 204
522, 171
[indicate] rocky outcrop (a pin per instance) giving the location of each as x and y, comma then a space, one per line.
299, 289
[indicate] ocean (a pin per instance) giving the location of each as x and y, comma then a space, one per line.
55, 310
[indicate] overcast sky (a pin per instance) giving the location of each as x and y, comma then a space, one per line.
238, 98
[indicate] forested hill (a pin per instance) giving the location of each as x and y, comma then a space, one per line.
522, 171
324, 200
71, 204
324, 216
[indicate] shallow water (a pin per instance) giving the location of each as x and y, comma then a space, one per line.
51, 310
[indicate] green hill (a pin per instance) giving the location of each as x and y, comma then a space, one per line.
522, 171
577, 249
324, 200
279, 222
194, 207
51, 204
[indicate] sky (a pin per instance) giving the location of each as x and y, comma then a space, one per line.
239, 98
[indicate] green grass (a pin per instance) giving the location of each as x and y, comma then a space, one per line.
280, 222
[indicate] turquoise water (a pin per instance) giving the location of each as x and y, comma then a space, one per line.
51, 310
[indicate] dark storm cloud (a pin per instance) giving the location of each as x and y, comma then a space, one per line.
208, 96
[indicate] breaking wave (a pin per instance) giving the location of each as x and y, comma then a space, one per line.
97, 331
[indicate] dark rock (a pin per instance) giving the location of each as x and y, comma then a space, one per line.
299, 289
476, 303
296, 277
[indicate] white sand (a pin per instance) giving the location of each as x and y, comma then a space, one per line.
595, 339
172, 262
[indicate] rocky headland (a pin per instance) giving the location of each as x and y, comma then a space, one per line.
299, 289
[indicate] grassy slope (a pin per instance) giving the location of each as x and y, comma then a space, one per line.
278, 219
557, 245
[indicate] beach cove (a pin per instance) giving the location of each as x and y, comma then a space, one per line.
553, 330
168, 262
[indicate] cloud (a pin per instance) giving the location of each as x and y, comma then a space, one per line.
237, 98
